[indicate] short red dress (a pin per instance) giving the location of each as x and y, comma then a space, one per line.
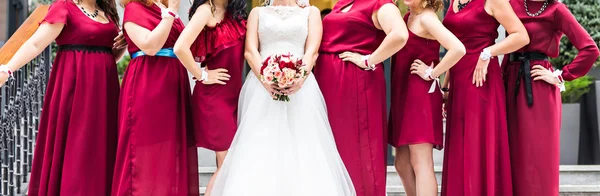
215, 106
476, 153
534, 131
415, 114
156, 154
355, 98
75, 148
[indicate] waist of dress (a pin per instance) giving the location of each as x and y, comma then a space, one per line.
85, 48
524, 73
164, 52
338, 51
528, 56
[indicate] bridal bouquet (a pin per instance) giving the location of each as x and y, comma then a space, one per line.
284, 71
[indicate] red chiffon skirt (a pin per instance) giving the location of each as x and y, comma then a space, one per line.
156, 154
534, 134
415, 114
77, 138
356, 107
215, 106
476, 153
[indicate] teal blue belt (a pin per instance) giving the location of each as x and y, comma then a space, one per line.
166, 52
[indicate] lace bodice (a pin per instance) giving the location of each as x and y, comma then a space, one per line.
282, 29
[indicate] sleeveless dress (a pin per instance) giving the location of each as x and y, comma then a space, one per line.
415, 114
214, 107
156, 154
282, 148
356, 99
476, 154
534, 131
77, 136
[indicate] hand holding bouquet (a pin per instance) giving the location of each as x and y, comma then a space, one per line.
282, 71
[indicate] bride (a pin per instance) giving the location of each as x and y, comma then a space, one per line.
282, 148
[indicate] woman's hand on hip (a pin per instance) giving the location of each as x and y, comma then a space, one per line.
541, 73
420, 68
216, 76
355, 58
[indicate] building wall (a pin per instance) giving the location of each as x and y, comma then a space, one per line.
3, 22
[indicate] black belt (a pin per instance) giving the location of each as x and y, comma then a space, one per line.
87, 48
525, 72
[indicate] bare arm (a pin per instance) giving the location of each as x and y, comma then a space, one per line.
252, 54
313, 41
187, 37
389, 19
456, 50
311, 48
251, 49
150, 42
517, 34
45, 34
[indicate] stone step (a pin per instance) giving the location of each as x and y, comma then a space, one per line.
569, 175
565, 190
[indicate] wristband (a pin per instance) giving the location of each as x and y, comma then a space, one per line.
165, 13
204, 76
370, 67
486, 54
5, 69
561, 81
428, 72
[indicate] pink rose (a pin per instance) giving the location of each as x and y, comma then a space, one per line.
277, 73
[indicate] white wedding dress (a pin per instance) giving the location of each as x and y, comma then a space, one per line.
282, 148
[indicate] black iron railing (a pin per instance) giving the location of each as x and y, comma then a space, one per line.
20, 108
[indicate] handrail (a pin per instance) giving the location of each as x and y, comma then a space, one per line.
22, 34
20, 108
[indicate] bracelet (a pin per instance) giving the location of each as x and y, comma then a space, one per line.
370, 67
203, 77
5, 69
445, 89
165, 13
428, 72
561, 81
204, 74
486, 54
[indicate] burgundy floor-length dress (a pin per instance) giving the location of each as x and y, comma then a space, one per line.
215, 106
355, 98
476, 154
156, 154
77, 138
534, 131
416, 114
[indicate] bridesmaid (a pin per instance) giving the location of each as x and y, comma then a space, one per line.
358, 35
77, 138
219, 28
476, 155
416, 123
533, 100
156, 154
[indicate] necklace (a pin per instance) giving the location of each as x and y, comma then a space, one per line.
462, 5
538, 12
93, 15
